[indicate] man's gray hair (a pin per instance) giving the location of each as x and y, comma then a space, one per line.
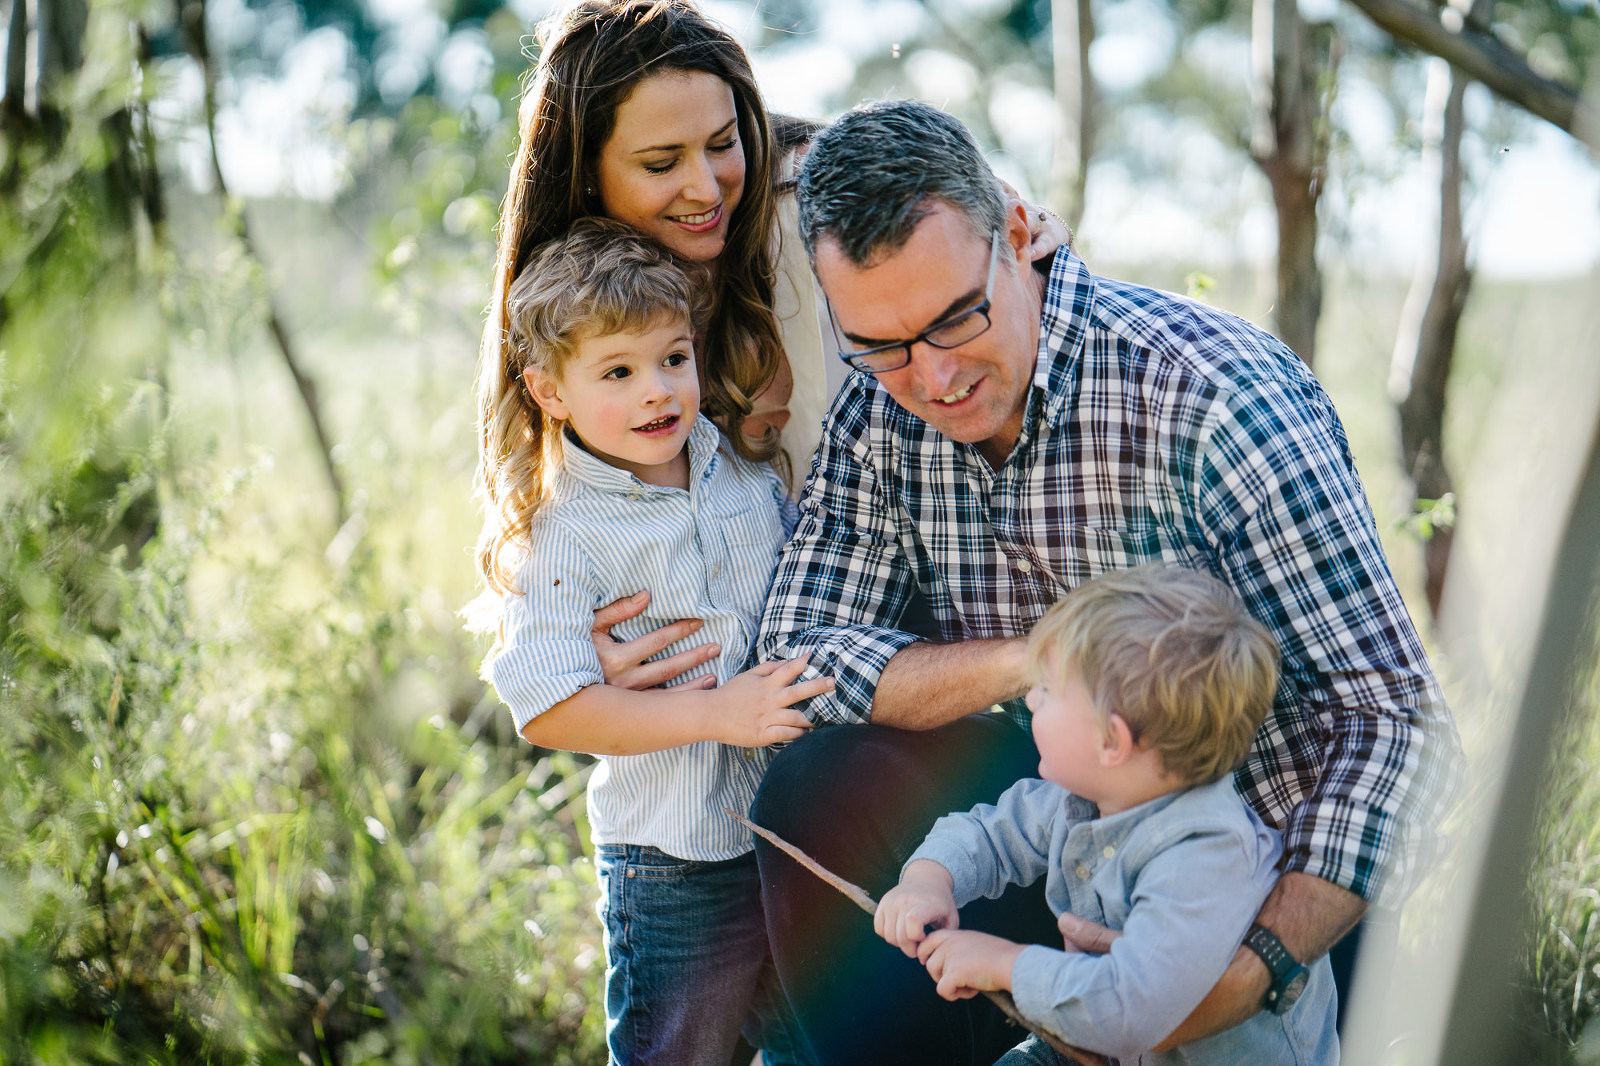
871, 176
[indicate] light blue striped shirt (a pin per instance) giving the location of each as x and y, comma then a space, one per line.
707, 553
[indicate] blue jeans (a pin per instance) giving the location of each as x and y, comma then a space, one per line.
686, 958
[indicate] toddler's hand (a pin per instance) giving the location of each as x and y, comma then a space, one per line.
753, 709
921, 900
966, 962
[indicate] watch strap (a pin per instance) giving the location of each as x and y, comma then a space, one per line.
1283, 966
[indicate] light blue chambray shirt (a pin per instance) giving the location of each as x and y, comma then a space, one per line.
706, 553
1181, 876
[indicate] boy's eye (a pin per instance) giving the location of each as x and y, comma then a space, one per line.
676, 359
616, 373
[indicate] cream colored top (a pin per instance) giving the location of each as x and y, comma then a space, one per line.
817, 370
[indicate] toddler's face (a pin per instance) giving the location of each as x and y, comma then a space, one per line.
630, 397
1069, 730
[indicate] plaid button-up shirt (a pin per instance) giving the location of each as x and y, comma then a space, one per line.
1157, 429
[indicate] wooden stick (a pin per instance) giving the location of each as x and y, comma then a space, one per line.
861, 898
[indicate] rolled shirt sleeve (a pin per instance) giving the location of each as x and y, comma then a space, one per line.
1276, 488
841, 575
547, 654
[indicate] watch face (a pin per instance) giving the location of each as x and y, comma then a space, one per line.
1291, 992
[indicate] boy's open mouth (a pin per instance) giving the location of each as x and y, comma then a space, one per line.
659, 424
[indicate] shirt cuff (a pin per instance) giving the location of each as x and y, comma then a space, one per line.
855, 657
1033, 982
963, 873
1360, 848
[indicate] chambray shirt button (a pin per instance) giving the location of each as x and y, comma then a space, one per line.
1083, 871
1025, 566
1108, 851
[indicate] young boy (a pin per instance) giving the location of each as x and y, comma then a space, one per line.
607, 481
1149, 687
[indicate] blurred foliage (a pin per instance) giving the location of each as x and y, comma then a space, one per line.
256, 807
1562, 995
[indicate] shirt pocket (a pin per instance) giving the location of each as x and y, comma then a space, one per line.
750, 540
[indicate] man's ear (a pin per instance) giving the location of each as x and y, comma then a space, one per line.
1019, 235
1117, 744
545, 388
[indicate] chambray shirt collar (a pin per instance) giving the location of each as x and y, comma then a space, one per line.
588, 470
1111, 830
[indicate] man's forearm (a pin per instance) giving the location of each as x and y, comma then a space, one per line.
927, 685
1309, 915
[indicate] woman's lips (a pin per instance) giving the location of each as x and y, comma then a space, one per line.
707, 220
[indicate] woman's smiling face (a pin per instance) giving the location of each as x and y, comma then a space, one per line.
673, 167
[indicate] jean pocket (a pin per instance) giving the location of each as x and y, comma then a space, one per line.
656, 865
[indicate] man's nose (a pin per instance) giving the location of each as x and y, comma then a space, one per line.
935, 369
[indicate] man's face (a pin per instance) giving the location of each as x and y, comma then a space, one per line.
975, 393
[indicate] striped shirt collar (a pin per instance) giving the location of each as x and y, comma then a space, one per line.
590, 471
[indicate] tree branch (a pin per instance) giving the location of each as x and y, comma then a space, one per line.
1486, 59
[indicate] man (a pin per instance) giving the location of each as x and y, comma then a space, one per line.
1014, 431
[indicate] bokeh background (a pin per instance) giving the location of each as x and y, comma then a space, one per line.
255, 804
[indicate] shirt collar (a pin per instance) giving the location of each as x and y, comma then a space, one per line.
1068, 296
587, 469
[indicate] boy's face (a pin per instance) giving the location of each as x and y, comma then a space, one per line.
631, 398
1069, 731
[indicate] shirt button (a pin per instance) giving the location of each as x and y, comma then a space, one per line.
1108, 851
1083, 871
1025, 566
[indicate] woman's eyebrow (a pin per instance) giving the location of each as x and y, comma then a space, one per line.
674, 147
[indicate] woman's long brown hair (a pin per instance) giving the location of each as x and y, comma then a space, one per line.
593, 57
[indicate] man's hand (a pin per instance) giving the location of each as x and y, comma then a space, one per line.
921, 900
623, 662
1308, 914
966, 962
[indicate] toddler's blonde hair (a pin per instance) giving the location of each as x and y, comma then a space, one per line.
1175, 653
601, 278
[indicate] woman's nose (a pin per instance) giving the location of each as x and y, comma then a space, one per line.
700, 181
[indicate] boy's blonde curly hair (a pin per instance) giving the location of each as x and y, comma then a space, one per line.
1175, 653
599, 279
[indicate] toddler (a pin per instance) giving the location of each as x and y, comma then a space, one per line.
1150, 685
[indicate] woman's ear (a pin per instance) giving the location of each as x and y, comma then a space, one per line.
1117, 745
545, 388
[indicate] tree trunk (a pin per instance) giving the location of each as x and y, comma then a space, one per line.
1425, 345
1289, 144
1071, 34
194, 21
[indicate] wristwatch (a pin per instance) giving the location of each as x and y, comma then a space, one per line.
1288, 974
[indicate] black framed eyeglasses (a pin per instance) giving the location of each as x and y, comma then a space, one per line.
952, 332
